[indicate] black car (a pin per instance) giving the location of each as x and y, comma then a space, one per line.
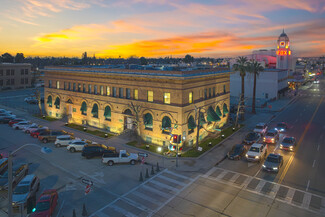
96, 150
236, 152
273, 163
251, 138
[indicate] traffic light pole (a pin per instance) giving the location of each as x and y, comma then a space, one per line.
177, 155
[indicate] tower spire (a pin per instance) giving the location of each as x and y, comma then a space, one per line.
283, 31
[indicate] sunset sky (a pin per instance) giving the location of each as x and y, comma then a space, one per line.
158, 28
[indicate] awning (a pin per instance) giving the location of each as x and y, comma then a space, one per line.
166, 122
57, 101
147, 119
212, 115
191, 123
225, 109
218, 111
107, 112
94, 111
202, 119
49, 100
83, 107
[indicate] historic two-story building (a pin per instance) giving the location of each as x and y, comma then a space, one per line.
167, 102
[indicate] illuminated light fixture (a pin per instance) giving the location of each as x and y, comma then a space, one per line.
289, 52
159, 149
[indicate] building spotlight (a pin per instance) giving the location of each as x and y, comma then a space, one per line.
159, 149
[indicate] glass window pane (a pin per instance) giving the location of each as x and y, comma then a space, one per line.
167, 98
108, 91
136, 97
190, 97
150, 96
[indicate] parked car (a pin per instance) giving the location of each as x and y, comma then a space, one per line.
96, 150
21, 125
260, 128
272, 136
76, 145
3, 164
50, 136
35, 133
6, 118
119, 157
256, 152
19, 171
288, 143
5, 111
15, 120
46, 204
33, 126
31, 100
237, 152
251, 138
25, 190
281, 127
273, 163
63, 140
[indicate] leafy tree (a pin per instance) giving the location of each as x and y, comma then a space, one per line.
241, 66
84, 58
7, 58
188, 59
136, 109
254, 68
19, 58
143, 61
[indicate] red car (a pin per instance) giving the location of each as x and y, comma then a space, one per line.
36, 133
15, 121
46, 204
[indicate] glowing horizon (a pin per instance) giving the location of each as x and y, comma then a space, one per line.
159, 28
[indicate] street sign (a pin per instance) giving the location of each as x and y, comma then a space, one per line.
87, 182
143, 154
88, 189
142, 160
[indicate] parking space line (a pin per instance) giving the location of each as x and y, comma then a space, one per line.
60, 209
306, 200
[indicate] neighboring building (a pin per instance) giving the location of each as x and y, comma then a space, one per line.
101, 97
15, 75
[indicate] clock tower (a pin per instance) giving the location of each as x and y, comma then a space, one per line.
283, 52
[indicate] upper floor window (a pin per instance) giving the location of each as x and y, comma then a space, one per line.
135, 94
1, 72
214, 91
95, 89
26, 71
121, 92
50, 84
224, 88
167, 98
74, 86
12, 72
150, 96
79, 87
101, 90
69, 88
108, 91
114, 91
57, 84
190, 97
8, 72
83, 88
89, 88
205, 93
22, 71
128, 93
210, 94
64, 85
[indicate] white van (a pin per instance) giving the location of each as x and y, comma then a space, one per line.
63, 140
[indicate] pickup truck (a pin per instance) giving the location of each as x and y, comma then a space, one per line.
257, 152
119, 157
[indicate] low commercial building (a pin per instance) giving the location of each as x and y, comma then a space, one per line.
160, 102
15, 75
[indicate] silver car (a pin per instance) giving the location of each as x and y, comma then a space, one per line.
26, 189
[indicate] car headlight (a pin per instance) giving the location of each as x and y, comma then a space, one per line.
272, 139
246, 155
264, 139
291, 147
275, 168
264, 166
257, 157
281, 146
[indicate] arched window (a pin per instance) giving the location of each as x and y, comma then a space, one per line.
49, 101
218, 111
166, 125
57, 102
225, 109
212, 115
148, 121
94, 111
83, 108
107, 113
191, 125
127, 112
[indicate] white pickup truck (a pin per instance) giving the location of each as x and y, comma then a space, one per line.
122, 157
257, 152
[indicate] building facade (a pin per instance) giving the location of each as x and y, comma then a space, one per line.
167, 102
15, 75
284, 53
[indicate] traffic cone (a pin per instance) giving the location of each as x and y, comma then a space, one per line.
74, 213
152, 171
141, 177
84, 211
157, 169
147, 173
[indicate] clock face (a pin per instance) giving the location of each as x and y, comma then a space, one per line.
282, 43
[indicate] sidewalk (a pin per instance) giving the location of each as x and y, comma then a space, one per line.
200, 164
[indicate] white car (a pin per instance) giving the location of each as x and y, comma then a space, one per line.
257, 152
63, 140
21, 125
29, 128
76, 145
260, 128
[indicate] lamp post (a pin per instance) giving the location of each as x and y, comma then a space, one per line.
44, 150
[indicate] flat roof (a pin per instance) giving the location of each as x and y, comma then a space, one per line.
15, 64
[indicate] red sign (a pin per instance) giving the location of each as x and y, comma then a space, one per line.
142, 161
283, 52
88, 189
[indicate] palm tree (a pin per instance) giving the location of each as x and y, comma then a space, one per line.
241, 66
255, 68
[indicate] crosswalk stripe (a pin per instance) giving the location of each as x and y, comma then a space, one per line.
234, 177
210, 172
123, 211
306, 200
146, 197
178, 175
222, 174
274, 190
172, 180
163, 194
163, 185
136, 204
260, 185
290, 194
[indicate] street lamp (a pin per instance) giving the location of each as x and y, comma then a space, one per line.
44, 150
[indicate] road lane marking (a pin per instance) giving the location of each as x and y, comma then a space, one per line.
318, 147
299, 142
308, 185
314, 163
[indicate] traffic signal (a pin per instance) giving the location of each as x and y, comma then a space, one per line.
175, 137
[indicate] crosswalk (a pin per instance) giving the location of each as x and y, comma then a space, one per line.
286, 194
148, 197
